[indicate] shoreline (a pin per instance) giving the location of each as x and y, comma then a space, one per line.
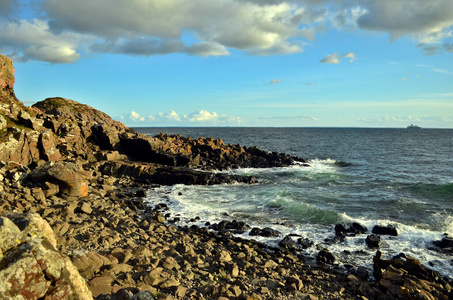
73, 224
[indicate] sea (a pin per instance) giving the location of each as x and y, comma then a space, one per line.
372, 176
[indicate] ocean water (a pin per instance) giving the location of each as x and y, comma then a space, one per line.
370, 176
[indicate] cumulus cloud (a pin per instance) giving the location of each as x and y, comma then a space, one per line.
263, 28
350, 55
333, 58
135, 116
66, 28
426, 21
33, 40
197, 117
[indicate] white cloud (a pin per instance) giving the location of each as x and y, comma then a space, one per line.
350, 55
64, 28
261, 28
333, 58
33, 40
198, 117
172, 116
202, 116
134, 116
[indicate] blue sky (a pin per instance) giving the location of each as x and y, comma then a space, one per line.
337, 63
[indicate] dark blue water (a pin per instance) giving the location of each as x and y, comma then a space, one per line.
370, 176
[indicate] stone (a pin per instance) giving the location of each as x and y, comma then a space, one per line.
32, 268
326, 257
86, 208
294, 282
9, 235
373, 241
47, 146
266, 232
385, 230
224, 256
71, 179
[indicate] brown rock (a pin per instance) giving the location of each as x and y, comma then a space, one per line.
86, 208
71, 179
34, 268
47, 146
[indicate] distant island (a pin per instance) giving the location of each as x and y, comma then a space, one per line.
412, 126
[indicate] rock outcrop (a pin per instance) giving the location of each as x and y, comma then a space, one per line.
30, 264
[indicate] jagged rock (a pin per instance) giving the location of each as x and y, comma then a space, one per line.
390, 229
373, 241
266, 232
150, 173
20, 146
237, 227
354, 229
31, 267
287, 243
407, 278
47, 146
71, 179
326, 257
444, 245
3, 122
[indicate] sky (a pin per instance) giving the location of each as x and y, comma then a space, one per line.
258, 63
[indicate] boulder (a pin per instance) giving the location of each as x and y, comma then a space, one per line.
266, 232
30, 265
390, 229
71, 179
445, 244
351, 230
325, 257
406, 278
373, 241
287, 243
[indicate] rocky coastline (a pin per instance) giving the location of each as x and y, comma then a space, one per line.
73, 224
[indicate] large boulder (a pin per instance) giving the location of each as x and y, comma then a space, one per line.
30, 265
404, 277
70, 177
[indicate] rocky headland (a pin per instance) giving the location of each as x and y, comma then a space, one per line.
73, 224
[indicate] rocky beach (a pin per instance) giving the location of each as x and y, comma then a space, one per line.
73, 224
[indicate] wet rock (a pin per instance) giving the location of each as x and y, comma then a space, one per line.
390, 229
444, 245
287, 243
265, 232
325, 257
373, 241
237, 227
352, 230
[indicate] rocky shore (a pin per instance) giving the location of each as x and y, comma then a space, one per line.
73, 224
